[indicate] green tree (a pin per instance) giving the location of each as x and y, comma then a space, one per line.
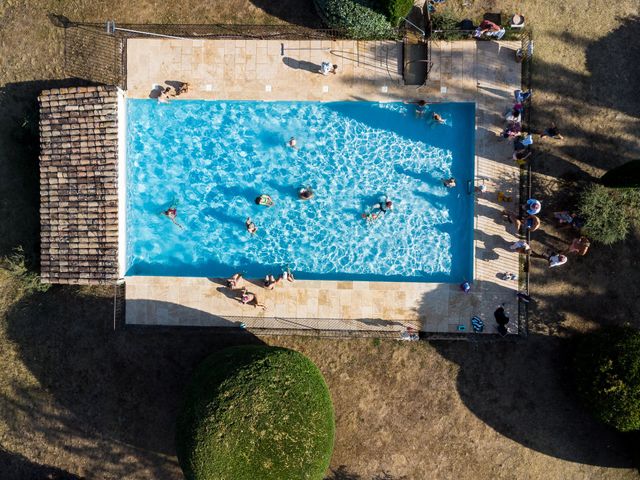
255, 412
609, 212
607, 373
624, 176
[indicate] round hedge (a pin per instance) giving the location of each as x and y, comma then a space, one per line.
607, 366
255, 412
364, 18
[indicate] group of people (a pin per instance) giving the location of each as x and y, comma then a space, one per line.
246, 297
167, 92
421, 109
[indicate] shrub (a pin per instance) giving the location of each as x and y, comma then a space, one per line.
608, 212
255, 412
607, 369
16, 264
449, 23
358, 18
396, 10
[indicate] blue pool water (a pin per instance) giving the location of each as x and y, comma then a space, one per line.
213, 158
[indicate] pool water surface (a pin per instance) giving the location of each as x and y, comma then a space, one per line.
211, 159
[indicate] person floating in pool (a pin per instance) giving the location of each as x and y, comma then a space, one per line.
171, 213
384, 205
264, 200
437, 118
449, 182
370, 217
421, 107
305, 193
293, 143
251, 227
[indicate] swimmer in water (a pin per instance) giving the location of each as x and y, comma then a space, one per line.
421, 107
171, 213
449, 182
437, 118
305, 193
251, 227
384, 205
265, 200
293, 143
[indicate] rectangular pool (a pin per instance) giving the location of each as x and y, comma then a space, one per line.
211, 159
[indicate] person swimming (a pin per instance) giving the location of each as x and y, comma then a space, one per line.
293, 143
437, 118
305, 193
171, 213
384, 205
449, 182
264, 200
251, 227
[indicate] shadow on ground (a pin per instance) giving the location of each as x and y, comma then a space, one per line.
122, 385
527, 396
343, 473
14, 465
298, 12
19, 150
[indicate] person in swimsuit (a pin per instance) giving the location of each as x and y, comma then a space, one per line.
270, 282
449, 182
580, 246
234, 280
249, 298
251, 227
171, 213
384, 205
265, 200
293, 143
437, 118
421, 107
305, 193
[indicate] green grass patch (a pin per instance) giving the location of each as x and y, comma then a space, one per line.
256, 412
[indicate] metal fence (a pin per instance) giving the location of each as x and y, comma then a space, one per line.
526, 55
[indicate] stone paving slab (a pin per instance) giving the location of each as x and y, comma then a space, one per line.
481, 72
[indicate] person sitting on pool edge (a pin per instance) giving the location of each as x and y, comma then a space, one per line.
449, 182
305, 193
251, 227
265, 200
234, 280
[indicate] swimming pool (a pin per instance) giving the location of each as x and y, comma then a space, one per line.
213, 158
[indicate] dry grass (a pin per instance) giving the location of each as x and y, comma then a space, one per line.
77, 397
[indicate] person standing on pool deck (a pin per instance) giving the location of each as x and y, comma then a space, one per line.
251, 227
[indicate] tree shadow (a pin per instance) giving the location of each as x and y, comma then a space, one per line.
523, 391
14, 465
298, 12
614, 72
343, 473
124, 385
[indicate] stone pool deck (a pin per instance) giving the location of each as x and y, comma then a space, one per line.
481, 72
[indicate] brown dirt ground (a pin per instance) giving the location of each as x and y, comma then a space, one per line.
79, 398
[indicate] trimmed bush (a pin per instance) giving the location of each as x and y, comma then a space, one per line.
607, 368
608, 212
255, 412
359, 18
624, 176
396, 10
